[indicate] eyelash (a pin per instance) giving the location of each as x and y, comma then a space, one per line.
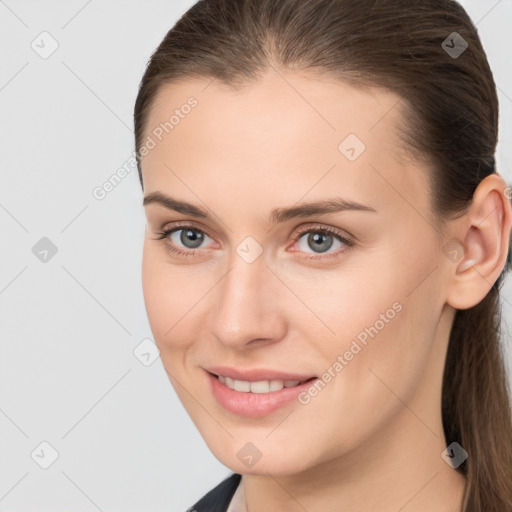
191, 253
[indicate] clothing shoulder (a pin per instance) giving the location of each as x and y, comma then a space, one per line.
217, 500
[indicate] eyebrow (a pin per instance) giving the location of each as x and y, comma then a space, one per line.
277, 215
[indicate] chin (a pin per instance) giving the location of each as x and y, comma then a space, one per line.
247, 459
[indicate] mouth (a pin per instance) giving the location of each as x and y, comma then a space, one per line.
259, 386
259, 396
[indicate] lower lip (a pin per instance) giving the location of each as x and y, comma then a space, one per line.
254, 405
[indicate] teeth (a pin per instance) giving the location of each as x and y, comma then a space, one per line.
242, 385
276, 385
262, 386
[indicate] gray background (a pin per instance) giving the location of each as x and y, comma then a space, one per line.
69, 326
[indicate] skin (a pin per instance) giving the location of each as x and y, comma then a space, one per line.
372, 438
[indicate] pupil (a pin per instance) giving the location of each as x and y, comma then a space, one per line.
318, 241
192, 237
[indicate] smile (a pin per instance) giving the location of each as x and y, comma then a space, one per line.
255, 398
261, 386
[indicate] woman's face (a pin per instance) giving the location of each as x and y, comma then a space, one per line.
260, 291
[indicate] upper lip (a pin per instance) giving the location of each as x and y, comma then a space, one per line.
256, 374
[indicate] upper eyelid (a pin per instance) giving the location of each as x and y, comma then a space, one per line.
223, 233
184, 225
328, 229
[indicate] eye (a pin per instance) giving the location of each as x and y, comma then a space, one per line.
184, 240
190, 237
320, 239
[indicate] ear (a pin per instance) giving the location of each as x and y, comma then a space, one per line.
485, 237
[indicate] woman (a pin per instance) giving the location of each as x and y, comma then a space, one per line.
326, 239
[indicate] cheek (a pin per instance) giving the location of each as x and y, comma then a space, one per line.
379, 353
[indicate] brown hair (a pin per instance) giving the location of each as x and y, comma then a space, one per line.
450, 108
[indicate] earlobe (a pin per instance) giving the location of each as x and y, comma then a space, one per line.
485, 235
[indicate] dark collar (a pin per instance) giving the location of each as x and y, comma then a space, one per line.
217, 500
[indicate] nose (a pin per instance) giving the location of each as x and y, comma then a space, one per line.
247, 310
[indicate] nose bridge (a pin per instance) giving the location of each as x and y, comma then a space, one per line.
245, 307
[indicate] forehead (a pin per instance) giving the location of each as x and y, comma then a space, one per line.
285, 134
280, 100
